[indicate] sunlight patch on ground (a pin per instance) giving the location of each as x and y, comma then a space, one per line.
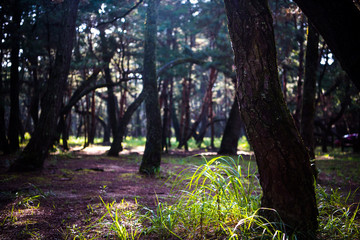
139, 150
246, 153
19, 216
92, 150
325, 157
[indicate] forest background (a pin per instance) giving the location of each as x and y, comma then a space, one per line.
90, 81
195, 71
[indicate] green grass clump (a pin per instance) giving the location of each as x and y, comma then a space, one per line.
220, 199
338, 216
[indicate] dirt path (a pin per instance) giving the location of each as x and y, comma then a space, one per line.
67, 188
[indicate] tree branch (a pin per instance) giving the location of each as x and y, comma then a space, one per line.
122, 16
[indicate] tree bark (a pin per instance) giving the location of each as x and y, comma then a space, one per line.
34, 154
338, 22
229, 141
300, 40
184, 103
111, 100
151, 160
35, 98
92, 127
283, 160
124, 121
164, 100
308, 102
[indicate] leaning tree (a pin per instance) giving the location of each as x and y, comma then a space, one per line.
34, 154
282, 158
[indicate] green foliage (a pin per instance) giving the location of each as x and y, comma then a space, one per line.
116, 221
124, 218
216, 197
338, 216
220, 199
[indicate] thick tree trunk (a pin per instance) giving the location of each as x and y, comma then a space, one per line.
338, 22
14, 121
34, 154
229, 141
308, 103
283, 160
150, 163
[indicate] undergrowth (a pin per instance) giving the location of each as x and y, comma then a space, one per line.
218, 200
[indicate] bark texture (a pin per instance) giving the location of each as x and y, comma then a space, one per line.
308, 102
34, 154
338, 22
150, 163
283, 160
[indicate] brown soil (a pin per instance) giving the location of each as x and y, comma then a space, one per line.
69, 187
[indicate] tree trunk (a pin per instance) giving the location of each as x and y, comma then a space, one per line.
184, 106
308, 102
34, 154
338, 22
283, 160
164, 100
213, 76
124, 121
204, 109
150, 163
92, 127
35, 98
111, 103
111, 100
300, 39
14, 121
229, 141
175, 124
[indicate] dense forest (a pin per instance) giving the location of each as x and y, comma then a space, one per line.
282, 74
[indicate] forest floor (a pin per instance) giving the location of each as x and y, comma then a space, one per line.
66, 195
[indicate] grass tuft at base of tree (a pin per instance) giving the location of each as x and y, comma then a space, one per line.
220, 199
